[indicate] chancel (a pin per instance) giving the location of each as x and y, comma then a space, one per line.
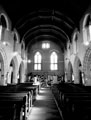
45, 60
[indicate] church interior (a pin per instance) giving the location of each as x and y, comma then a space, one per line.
45, 60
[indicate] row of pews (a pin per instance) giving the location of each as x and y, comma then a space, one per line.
16, 100
74, 100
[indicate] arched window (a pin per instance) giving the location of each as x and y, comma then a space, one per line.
54, 61
37, 61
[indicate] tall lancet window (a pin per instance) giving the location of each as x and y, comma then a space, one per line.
37, 61
54, 61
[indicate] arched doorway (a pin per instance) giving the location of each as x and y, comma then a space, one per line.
21, 77
69, 72
13, 70
78, 71
12, 67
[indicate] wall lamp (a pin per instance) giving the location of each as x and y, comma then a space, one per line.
6, 43
29, 61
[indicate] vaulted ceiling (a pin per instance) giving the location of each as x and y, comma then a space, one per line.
45, 20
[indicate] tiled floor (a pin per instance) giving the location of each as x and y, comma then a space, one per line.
45, 107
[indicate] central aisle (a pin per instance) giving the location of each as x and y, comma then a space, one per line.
45, 107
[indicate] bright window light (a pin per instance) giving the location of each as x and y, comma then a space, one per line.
35, 66
39, 66
45, 45
54, 61
52, 66
56, 67
37, 61
85, 37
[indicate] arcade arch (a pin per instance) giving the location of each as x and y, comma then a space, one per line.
5, 22
78, 71
13, 71
69, 72
21, 73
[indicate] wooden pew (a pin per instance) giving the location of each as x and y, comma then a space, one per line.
15, 96
29, 87
10, 102
14, 93
75, 99
79, 103
30, 84
85, 88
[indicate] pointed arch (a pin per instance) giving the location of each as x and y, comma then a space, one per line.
74, 40
70, 72
13, 70
77, 71
21, 73
5, 21
86, 29
16, 36
85, 21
